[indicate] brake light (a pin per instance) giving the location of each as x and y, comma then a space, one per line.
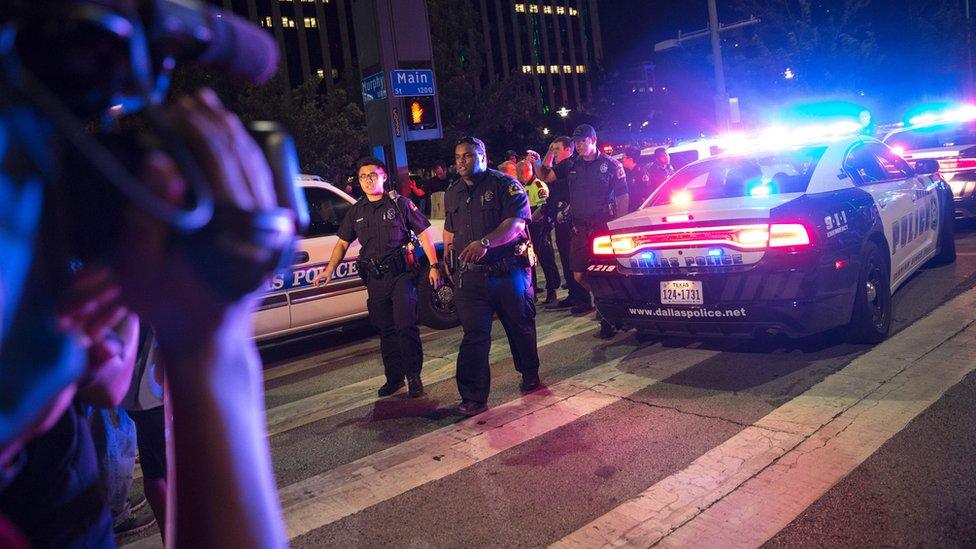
602, 245
792, 234
743, 237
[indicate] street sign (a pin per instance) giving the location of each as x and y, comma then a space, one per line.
374, 89
411, 83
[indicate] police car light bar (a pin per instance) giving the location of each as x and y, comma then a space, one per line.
743, 237
780, 138
961, 113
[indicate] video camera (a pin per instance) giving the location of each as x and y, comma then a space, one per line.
78, 60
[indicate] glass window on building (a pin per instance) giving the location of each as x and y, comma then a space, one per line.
520, 8
554, 69
572, 11
580, 69
560, 10
533, 8
567, 69
541, 69
547, 9
527, 69
311, 22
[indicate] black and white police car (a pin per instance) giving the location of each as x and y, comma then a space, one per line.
291, 302
791, 241
950, 140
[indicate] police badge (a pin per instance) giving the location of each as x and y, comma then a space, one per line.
390, 215
489, 196
603, 168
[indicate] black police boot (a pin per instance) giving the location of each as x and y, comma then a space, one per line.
550, 297
563, 304
606, 330
471, 408
582, 308
529, 383
416, 387
389, 388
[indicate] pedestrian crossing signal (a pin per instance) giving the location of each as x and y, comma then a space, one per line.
421, 113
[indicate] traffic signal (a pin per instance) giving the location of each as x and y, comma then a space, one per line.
420, 113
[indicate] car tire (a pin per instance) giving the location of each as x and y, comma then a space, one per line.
871, 316
436, 307
947, 235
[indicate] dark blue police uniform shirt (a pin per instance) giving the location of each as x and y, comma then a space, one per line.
474, 212
382, 227
593, 185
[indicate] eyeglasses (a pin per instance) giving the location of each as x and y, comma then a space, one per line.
373, 176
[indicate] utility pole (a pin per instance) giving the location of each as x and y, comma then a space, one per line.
721, 94
714, 29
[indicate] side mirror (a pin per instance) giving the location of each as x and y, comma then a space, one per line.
926, 166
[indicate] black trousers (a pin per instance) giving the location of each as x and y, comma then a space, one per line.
478, 299
564, 242
541, 234
392, 307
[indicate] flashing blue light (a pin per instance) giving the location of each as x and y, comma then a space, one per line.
762, 189
647, 256
715, 252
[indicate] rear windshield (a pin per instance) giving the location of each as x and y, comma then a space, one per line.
947, 135
732, 177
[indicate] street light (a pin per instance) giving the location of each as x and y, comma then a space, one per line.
563, 112
545, 131
789, 74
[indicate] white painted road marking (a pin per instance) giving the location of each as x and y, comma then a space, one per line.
320, 500
747, 489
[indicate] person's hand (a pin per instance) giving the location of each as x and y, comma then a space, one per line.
158, 279
434, 277
473, 252
533, 156
323, 279
561, 216
93, 311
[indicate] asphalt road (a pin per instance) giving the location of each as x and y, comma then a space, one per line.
675, 442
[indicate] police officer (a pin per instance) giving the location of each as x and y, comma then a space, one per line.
597, 194
554, 170
659, 169
383, 222
639, 185
485, 231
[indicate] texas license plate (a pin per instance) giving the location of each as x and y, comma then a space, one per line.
681, 292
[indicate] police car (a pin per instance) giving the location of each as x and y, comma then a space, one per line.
293, 304
950, 139
792, 241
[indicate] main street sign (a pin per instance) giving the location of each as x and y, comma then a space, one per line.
412, 83
374, 89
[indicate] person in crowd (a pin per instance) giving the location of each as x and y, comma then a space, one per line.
221, 463
508, 168
638, 179
384, 222
659, 169
597, 194
554, 170
540, 230
511, 156
485, 234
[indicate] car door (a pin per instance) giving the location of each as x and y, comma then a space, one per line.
925, 215
894, 194
344, 297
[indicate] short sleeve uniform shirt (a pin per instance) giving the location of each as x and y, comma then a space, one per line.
473, 212
593, 184
382, 227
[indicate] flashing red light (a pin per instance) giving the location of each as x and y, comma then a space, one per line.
839, 264
608, 149
602, 245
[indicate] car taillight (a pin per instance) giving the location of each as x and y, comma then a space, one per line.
743, 237
602, 245
790, 234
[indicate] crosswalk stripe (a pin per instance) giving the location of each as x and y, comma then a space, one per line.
748, 488
342, 399
322, 499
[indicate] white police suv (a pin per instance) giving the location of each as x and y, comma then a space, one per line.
293, 304
794, 240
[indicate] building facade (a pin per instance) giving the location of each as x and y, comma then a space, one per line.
558, 42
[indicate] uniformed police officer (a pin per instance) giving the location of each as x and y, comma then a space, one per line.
383, 222
597, 194
485, 230
639, 185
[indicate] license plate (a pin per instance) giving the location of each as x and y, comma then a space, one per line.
681, 292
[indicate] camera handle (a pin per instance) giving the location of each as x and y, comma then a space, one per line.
184, 220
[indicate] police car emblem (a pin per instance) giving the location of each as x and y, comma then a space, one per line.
603, 168
489, 196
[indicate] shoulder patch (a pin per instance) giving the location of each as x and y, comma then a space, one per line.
515, 189
621, 174
411, 205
